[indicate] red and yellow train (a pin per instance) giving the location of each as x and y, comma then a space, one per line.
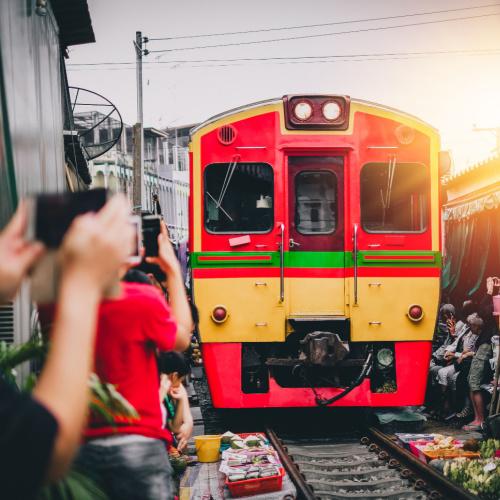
315, 252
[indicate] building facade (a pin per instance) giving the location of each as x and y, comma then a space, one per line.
166, 166
34, 117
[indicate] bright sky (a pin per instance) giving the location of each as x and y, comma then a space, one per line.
452, 91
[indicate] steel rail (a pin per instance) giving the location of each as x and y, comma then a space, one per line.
433, 478
304, 491
425, 477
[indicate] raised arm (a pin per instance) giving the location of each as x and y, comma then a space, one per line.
177, 297
92, 251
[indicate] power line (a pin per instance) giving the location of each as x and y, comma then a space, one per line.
328, 59
250, 59
318, 35
266, 30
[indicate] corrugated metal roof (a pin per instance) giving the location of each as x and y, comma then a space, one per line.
471, 168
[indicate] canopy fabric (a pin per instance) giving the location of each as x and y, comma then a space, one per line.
472, 253
468, 209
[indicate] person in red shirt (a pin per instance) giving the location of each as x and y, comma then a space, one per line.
129, 459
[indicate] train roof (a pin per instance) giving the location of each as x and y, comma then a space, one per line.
280, 99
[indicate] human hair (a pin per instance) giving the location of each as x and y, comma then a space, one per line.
468, 307
447, 309
474, 319
173, 362
136, 276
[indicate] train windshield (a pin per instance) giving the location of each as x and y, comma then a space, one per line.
394, 197
239, 197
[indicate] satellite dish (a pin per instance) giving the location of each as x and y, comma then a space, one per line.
96, 120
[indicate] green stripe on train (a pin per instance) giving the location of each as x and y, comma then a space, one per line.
379, 258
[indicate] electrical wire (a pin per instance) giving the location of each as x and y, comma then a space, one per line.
352, 21
320, 60
250, 59
319, 35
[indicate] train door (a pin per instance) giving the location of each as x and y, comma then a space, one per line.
315, 267
395, 272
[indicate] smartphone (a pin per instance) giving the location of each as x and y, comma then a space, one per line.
52, 214
150, 232
136, 257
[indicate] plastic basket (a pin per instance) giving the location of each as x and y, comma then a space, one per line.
416, 447
256, 486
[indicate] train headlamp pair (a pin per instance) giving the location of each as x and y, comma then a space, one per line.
330, 110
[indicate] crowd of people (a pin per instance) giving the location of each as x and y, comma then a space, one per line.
131, 330
463, 363
131, 333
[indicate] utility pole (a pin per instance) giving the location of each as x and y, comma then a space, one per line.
138, 166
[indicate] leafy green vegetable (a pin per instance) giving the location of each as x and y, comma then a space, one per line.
480, 477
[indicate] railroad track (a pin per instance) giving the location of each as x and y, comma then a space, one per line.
373, 467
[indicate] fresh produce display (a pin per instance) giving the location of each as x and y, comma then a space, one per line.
195, 352
481, 477
439, 446
489, 447
178, 461
441, 442
248, 457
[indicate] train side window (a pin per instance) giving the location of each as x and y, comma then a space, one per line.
239, 198
394, 197
315, 202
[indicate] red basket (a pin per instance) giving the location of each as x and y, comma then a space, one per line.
256, 486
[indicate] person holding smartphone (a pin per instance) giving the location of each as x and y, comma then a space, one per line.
40, 433
129, 459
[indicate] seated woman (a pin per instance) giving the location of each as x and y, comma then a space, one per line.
174, 369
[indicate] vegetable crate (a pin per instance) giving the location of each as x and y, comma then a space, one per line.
416, 448
256, 486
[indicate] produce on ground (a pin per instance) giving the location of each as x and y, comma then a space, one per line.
249, 457
480, 477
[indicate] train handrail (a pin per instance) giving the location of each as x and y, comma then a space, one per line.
355, 258
282, 262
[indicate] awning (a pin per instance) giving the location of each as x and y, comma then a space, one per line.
468, 208
75, 24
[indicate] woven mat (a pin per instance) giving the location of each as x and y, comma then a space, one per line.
205, 482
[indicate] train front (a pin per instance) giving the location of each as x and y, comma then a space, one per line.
315, 253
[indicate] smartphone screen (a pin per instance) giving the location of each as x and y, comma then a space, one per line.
150, 232
55, 213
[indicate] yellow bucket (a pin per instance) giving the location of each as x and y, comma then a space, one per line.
207, 448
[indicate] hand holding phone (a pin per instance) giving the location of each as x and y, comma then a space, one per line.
151, 226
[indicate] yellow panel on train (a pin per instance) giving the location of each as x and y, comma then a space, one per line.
255, 313
316, 296
381, 313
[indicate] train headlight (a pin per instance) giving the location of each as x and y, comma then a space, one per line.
219, 314
331, 110
302, 110
385, 358
415, 313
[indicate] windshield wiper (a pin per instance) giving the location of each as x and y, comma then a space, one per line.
386, 201
222, 210
227, 179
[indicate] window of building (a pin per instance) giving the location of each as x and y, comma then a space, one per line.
316, 202
394, 197
103, 135
130, 139
239, 198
